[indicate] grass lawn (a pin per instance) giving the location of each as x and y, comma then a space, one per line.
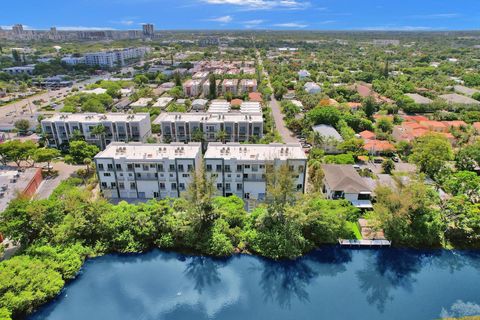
355, 231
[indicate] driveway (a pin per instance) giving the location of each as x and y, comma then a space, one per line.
287, 135
65, 171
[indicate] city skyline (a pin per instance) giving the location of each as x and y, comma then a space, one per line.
377, 15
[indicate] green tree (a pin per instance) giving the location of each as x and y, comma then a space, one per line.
46, 155
281, 189
78, 151
467, 158
221, 136
213, 86
388, 166
22, 125
100, 131
410, 215
26, 283
464, 183
430, 153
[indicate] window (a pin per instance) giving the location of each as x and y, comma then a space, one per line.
209, 167
104, 184
145, 167
185, 175
160, 167
129, 167
219, 168
262, 166
172, 167
181, 186
152, 166
121, 185
299, 187
118, 166
137, 165
190, 168
219, 186
290, 168
110, 166
239, 168
133, 185
227, 168
239, 186
247, 166
245, 176
227, 186
301, 168
255, 167
174, 186
162, 186
100, 166
156, 195
113, 184
107, 174
180, 167
139, 175
364, 196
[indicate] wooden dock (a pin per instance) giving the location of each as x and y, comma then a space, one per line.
364, 243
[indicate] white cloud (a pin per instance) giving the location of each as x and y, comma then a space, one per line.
290, 25
435, 16
224, 19
262, 4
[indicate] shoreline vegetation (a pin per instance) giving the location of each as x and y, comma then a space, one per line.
57, 234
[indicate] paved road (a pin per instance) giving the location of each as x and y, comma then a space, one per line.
287, 135
64, 171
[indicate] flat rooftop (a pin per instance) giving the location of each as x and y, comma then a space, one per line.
207, 117
255, 152
97, 117
143, 151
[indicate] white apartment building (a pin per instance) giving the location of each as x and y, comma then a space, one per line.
72, 61
28, 69
240, 169
118, 127
146, 171
193, 87
114, 58
248, 85
238, 127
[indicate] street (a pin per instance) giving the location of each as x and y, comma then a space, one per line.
285, 133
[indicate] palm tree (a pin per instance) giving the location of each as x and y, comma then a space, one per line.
100, 131
222, 135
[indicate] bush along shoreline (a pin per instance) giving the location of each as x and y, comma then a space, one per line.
59, 233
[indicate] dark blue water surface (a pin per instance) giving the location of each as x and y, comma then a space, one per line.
330, 283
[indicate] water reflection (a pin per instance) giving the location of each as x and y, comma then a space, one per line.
203, 271
386, 270
287, 281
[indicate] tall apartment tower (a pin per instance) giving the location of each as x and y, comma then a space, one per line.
17, 29
148, 29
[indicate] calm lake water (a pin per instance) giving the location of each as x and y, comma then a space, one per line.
330, 283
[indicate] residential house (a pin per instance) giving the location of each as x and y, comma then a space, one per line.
344, 182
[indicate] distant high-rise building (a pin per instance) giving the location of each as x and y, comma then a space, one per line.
17, 29
53, 30
148, 29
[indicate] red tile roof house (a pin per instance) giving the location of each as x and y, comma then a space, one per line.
409, 131
255, 97
376, 147
367, 135
415, 118
454, 124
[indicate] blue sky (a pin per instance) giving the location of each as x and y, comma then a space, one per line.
245, 14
